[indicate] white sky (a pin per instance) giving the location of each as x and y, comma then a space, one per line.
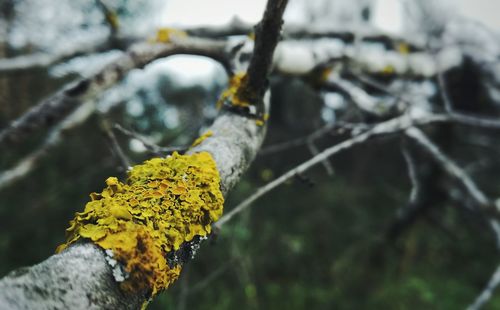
214, 12
486, 11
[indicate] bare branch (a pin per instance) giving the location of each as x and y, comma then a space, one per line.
150, 146
475, 121
315, 151
209, 278
444, 93
110, 16
361, 99
115, 145
412, 174
28, 163
267, 35
54, 108
278, 147
488, 291
482, 202
452, 168
391, 126
423, 196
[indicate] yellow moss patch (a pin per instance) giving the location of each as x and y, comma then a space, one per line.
164, 203
231, 93
165, 35
202, 138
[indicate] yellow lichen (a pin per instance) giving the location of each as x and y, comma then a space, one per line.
403, 48
164, 203
165, 35
112, 20
238, 97
388, 70
261, 121
231, 94
202, 138
325, 74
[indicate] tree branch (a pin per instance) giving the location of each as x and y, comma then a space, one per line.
389, 127
488, 291
54, 108
267, 35
67, 281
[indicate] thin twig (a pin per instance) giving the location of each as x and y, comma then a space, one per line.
315, 151
412, 174
476, 121
394, 125
150, 146
336, 127
110, 16
209, 279
359, 96
451, 168
488, 291
381, 87
115, 146
444, 93
29, 162
481, 200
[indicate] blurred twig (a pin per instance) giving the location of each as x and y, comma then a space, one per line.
29, 162
394, 125
488, 291
51, 110
114, 145
150, 146
482, 202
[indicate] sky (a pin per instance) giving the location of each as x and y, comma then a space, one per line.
213, 12
486, 11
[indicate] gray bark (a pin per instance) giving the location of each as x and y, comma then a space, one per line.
78, 278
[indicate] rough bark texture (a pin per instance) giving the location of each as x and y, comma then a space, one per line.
78, 278
235, 142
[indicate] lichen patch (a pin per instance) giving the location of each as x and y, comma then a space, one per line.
164, 204
202, 138
232, 94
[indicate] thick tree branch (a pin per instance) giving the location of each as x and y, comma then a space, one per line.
79, 278
67, 281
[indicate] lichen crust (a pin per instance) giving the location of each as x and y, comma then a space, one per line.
202, 138
166, 35
232, 94
164, 203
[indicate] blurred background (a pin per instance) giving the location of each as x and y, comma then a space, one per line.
320, 241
